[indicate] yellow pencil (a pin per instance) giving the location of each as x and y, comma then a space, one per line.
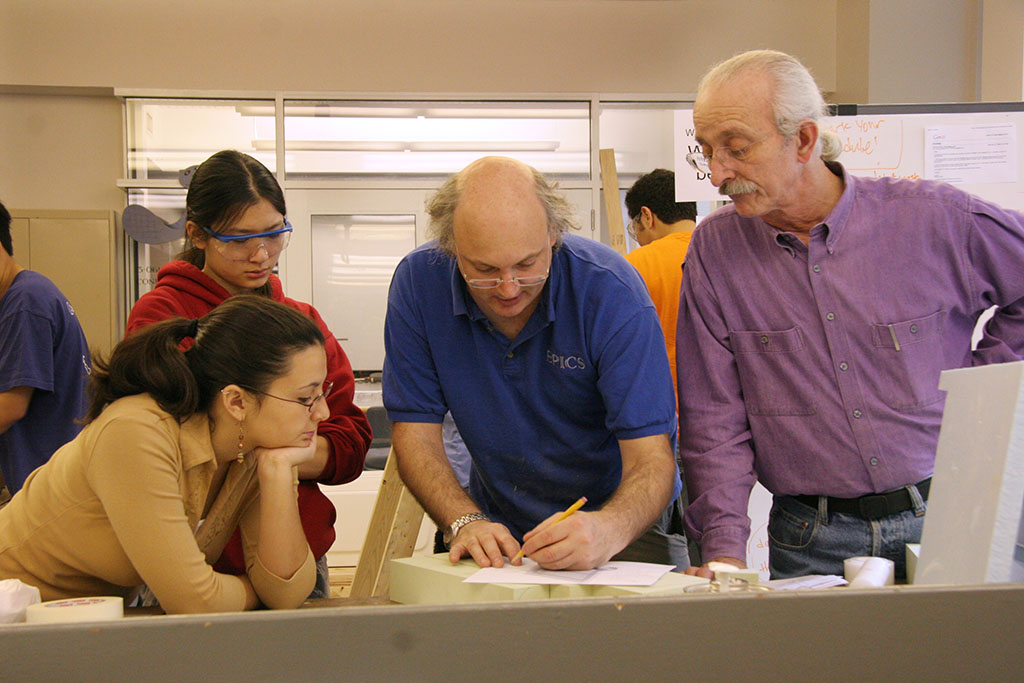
572, 508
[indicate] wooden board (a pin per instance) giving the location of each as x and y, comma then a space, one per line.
392, 533
612, 208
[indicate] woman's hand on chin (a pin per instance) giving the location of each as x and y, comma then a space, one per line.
290, 456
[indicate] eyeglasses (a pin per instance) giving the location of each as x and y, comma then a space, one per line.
631, 228
241, 247
493, 282
309, 403
702, 162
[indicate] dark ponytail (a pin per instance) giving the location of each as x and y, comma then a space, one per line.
247, 340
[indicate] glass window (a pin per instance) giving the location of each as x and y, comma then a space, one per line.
372, 140
145, 260
354, 257
166, 136
642, 135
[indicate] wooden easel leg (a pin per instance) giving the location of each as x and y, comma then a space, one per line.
392, 533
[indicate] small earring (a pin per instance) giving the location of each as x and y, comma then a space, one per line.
240, 458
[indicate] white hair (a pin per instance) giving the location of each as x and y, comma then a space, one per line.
795, 96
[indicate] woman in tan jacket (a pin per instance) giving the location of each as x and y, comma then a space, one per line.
179, 449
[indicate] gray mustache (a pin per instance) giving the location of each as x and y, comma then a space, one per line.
735, 187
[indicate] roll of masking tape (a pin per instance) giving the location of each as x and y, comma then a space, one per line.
869, 572
75, 610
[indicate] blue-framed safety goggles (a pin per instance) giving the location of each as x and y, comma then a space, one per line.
220, 237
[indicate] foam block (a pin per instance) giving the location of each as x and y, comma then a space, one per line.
432, 579
670, 584
974, 508
913, 554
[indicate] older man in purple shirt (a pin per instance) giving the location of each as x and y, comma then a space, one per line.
817, 312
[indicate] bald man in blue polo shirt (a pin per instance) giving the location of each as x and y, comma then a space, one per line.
547, 350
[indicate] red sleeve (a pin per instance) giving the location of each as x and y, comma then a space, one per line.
151, 308
347, 429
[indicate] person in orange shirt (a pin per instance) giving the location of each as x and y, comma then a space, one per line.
662, 227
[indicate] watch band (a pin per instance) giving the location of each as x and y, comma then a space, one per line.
452, 531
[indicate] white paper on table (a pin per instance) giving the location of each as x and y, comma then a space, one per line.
971, 154
610, 574
808, 582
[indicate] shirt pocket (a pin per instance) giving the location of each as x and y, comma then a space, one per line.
771, 374
909, 357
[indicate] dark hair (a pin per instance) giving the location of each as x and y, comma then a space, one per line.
247, 340
5, 230
657, 191
221, 189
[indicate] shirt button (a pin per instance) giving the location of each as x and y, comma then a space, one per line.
511, 354
764, 339
830, 316
843, 366
913, 329
857, 414
873, 461
816, 268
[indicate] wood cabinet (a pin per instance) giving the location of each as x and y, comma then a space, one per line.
80, 252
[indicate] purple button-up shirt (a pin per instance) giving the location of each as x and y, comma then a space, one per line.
815, 369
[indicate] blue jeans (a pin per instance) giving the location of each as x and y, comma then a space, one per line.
802, 540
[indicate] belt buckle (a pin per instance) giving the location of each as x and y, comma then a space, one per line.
874, 507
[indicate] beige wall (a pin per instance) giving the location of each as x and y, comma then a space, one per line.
402, 45
64, 151
923, 51
1002, 50
853, 41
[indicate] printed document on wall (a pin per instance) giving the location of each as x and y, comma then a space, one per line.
691, 184
971, 154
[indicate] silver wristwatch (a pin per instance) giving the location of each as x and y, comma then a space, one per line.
452, 531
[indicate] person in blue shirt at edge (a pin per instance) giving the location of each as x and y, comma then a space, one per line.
44, 366
547, 350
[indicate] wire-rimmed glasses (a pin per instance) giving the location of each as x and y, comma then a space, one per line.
310, 403
493, 282
702, 162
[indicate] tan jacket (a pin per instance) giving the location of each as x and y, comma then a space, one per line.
118, 507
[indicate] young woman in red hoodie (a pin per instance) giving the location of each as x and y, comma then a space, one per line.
235, 213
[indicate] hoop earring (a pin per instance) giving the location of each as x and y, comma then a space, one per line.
240, 457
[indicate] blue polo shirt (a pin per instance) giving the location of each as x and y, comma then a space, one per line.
541, 414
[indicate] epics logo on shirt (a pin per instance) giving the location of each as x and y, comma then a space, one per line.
566, 362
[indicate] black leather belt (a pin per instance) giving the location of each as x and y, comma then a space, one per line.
874, 506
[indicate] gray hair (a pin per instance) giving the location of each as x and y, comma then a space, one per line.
795, 96
441, 208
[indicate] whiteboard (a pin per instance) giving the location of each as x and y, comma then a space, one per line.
883, 140
880, 145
